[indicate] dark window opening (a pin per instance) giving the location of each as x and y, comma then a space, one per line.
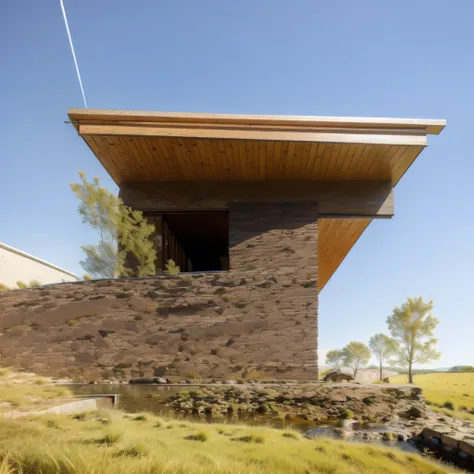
196, 241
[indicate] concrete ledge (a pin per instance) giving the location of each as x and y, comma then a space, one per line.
77, 406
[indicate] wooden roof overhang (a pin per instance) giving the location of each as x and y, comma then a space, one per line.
167, 146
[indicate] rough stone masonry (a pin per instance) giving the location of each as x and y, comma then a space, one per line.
259, 320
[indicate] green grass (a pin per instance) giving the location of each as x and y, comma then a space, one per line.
451, 394
68, 444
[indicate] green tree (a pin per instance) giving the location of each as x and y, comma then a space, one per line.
122, 232
356, 355
334, 358
383, 347
412, 326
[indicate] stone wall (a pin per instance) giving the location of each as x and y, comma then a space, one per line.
257, 321
454, 447
212, 325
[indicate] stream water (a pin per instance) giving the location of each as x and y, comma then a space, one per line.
152, 398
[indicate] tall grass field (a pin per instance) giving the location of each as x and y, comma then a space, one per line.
117, 443
449, 393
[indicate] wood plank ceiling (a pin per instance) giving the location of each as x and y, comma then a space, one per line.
172, 159
141, 146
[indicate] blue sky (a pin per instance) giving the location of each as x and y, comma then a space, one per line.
364, 58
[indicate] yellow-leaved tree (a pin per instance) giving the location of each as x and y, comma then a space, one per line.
412, 327
123, 232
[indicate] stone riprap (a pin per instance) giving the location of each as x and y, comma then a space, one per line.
314, 402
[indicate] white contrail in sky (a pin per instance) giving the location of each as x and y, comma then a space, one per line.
73, 53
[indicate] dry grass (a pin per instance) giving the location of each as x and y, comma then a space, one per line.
443, 389
27, 391
115, 443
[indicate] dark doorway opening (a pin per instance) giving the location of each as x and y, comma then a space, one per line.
197, 241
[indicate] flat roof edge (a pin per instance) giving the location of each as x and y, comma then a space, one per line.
36, 259
428, 126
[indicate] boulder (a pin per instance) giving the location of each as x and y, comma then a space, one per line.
337, 376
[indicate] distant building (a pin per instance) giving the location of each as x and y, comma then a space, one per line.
17, 265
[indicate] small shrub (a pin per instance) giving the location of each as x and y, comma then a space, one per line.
34, 283
79, 416
369, 400
158, 424
346, 414
87, 277
51, 423
72, 322
21, 284
135, 451
414, 412
389, 436
250, 439
309, 284
111, 437
448, 405
3, 287
263, 408
214, 351
172, 268
140, 418
138, 317
201, 436
289, 434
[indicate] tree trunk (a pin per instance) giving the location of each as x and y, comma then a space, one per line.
381, 371
410, 375
355, 372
